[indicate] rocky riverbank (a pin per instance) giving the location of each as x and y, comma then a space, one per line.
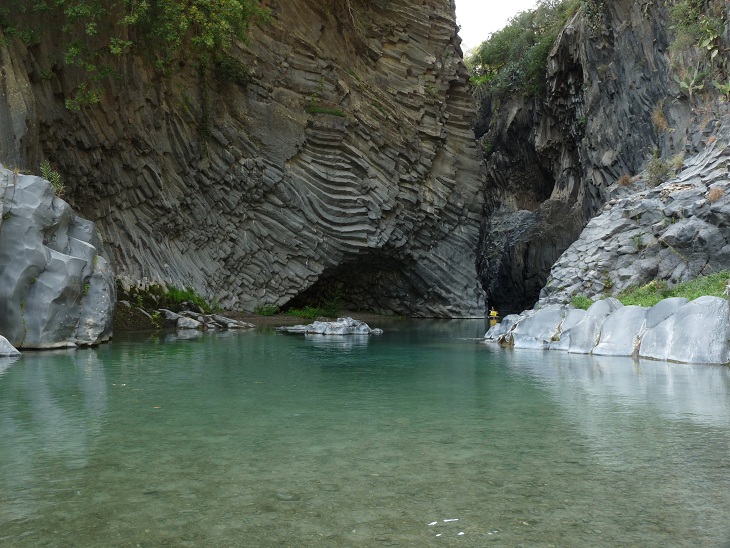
672, 232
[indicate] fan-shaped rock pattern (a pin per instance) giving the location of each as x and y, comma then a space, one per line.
347, 165
55, 288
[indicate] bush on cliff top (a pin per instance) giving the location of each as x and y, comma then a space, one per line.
514, 59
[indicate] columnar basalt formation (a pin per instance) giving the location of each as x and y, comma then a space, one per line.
347, 165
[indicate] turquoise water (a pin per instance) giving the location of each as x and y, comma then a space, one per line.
268, 439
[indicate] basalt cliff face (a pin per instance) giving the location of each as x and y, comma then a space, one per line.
346, 166
611, 101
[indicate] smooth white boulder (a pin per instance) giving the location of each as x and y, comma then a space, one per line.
621, 332
342, 326
539, 329
698, 332
584, 336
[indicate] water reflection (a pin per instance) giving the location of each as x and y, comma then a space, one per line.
699, 393
6, 362
337, 342
267, 439
51, 410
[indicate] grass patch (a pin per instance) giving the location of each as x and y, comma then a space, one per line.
266, 310
581, 302
316, 109
650, 294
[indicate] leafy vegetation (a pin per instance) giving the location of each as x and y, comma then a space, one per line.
96, 32
329, 306
317, 109
165, 296
653, 292
514, 59
53, 177
698, 50
658, 170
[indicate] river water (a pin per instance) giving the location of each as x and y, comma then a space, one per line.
421, 436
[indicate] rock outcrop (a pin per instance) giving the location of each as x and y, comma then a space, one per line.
673, 330
347, 164
673, 232
550, 162
56, 290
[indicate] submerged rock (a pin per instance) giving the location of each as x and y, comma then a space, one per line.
342, 326
56, 290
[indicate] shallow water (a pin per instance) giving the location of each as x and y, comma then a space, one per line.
269, 439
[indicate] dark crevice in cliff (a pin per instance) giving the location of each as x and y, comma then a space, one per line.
549, 162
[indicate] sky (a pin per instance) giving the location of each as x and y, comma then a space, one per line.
479, 18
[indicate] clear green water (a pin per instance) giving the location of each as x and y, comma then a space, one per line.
267, 439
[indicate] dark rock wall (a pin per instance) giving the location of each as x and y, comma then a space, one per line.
381, 206
549, 162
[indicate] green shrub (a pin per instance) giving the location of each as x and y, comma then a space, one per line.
317, 109
164, 296
514, 59
329, 307
658, 170
581, 302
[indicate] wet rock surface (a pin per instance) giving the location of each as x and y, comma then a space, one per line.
56, 289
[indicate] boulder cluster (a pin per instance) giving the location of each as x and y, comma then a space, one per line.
674, 329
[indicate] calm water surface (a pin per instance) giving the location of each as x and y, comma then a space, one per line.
268, 439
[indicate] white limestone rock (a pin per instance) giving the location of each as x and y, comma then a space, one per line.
342, 326
55, 289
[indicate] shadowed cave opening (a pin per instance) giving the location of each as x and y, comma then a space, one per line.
375, 284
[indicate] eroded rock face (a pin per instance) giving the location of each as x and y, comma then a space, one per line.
346, 166
668, 234
550, 162
56, 290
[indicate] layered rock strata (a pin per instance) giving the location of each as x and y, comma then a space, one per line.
673, 330
551, 161
56, 290
346, 166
